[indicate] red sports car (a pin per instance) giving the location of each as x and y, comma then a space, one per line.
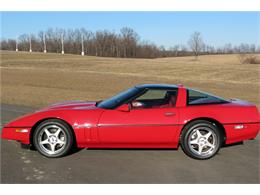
145, 116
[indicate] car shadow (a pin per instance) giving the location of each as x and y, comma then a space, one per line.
132, 149
234, 144
157, 149
75, 150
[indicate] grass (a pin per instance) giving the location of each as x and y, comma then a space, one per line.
38, 79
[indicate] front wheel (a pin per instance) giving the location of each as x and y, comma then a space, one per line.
200, 139
53, 138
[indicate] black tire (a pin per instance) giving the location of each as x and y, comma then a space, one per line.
65, 132
191, 148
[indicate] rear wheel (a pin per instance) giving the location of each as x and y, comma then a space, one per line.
53, 138
201, 139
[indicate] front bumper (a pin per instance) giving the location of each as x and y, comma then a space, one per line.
21, 134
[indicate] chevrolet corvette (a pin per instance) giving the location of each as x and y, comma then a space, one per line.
145, 116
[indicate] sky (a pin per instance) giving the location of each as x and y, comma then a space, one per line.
162, 28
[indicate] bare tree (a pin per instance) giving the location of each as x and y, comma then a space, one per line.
244, 48
209, 49
23, 42
258, 49
228, 48
9, 44
176, 49
196, 43
129, 40
126, 43
252, 48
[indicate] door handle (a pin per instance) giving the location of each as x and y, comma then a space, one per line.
169, 113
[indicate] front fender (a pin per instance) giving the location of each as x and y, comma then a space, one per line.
80, 121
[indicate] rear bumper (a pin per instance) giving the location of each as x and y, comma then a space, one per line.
21, 134
249, 131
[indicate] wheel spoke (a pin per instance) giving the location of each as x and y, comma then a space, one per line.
44, 142
47, 132
210, 145
53, 147
57, 132
208, 135
60, 142
200, 149
198, 134
195, 141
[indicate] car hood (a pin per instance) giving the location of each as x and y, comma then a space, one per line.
72, 105
63, 110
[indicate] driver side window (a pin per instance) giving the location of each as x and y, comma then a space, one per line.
152, 95
155, 98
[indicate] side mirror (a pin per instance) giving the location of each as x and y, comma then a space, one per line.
123, 108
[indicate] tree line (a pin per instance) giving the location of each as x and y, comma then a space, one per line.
125, 44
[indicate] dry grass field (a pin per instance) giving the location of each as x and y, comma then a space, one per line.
38, 79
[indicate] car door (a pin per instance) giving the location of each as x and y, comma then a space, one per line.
139, 125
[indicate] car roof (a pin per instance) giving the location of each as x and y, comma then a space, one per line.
159, 86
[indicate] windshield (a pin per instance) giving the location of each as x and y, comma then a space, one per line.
119, 99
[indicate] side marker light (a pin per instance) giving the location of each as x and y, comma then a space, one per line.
21, 130
239, 127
